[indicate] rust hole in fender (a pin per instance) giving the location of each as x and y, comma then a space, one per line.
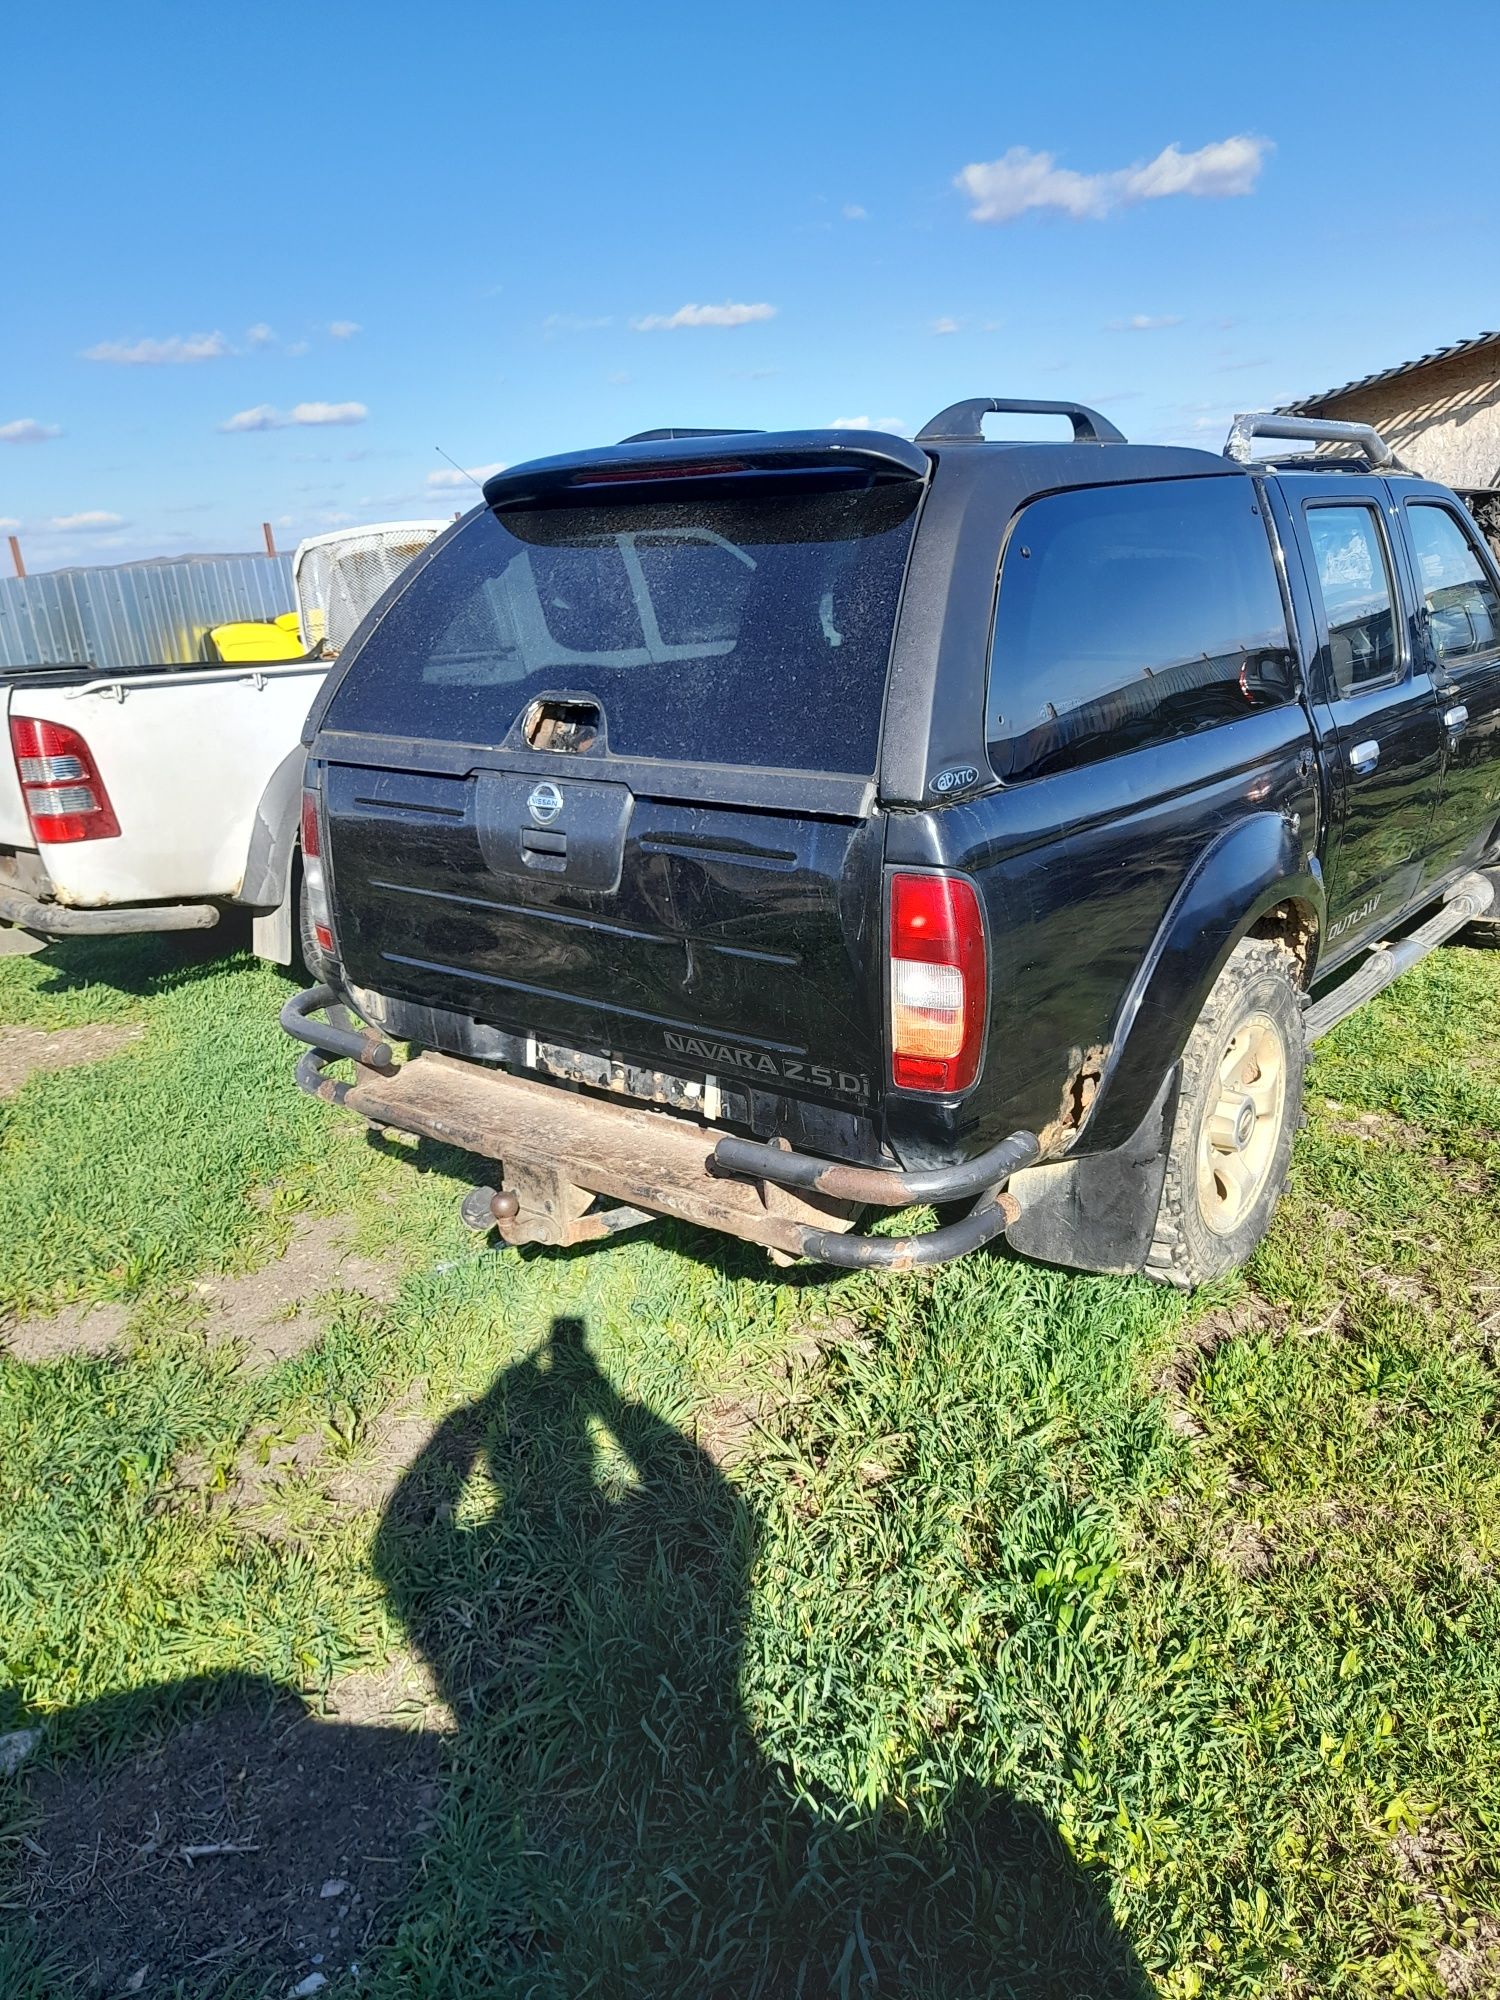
1085, 1071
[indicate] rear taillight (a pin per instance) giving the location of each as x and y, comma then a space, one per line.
312, 872
937, 983
64, 794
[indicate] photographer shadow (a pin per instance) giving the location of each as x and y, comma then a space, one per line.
575, 1573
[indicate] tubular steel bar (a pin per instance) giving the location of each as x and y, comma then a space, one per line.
879, 1186
119, 920
361, 1045
1473, 897
1307, 430
989, 1218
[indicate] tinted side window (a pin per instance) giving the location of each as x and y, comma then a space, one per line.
1462, 604
1354, 576
1130, 614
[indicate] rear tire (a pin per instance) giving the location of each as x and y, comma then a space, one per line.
1237, 1116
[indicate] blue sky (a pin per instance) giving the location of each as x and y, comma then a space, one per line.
260, 262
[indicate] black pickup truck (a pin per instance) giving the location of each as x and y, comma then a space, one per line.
765, 828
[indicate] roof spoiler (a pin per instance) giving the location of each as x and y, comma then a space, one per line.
1305, 430
629, 470
966, 420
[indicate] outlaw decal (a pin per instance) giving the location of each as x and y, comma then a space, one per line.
1366, 909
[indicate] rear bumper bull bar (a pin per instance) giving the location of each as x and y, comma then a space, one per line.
560, 1149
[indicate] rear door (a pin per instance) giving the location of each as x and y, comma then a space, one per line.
603, 775
1458, 591
1376, 705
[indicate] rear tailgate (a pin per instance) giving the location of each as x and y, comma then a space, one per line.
720, 941
629, 806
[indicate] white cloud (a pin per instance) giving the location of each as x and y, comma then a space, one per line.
26, 430
1000, 190
727, 314
343, 329
852, 212
447, 479
266, 417
261, 335
574, 323
262, 418
329, 413
945, 326
8, 524
1145, 322
94, 518
161, 353
869, 424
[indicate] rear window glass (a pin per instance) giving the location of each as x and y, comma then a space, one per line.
1130, 614
734, 631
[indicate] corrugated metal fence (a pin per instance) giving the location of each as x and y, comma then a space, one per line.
135, 614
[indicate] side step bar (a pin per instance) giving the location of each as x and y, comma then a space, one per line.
1471, 898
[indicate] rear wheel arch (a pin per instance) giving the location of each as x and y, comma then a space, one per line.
1254, 881
1294, 922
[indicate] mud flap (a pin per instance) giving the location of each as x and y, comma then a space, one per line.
1098, 1212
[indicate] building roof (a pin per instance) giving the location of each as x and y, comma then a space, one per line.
1308, 404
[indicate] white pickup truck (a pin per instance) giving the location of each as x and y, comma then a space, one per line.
154, 798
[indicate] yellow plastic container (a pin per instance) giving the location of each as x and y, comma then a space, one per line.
255, 639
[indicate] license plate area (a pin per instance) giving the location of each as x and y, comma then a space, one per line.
701, 1096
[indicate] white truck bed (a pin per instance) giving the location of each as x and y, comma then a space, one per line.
186, 758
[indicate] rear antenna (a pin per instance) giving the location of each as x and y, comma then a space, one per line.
457, 467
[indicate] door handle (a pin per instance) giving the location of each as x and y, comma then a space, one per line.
1364, 756
1456, 720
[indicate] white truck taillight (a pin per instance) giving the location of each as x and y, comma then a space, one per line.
938, 983
64, 794
313, 878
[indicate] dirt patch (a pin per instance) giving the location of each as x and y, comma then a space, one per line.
268, 1310
25, 1052
1471, 1970
1178, 1376
84, 1329
368, 1478
403, 1693
1246, 1550
726, 1426
260, 1840
1425, 1853
266, 1463
1373, 1126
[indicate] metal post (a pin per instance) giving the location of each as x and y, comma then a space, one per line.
265, 528
15, 556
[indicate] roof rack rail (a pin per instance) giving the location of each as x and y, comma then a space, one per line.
1308, 430
720, 431
966, 420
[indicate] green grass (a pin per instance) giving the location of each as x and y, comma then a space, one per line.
1050, 1636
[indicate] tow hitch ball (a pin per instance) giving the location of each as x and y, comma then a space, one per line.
482, 1207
